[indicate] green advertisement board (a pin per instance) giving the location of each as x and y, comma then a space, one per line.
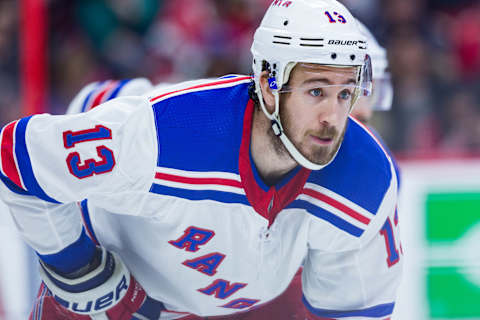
453, 269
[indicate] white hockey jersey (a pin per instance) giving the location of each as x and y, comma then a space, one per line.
170, 186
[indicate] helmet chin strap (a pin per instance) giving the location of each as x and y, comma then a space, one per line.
279, 132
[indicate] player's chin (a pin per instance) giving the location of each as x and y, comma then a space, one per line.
320, 155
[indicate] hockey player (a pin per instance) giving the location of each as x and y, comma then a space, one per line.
287, 305
382, 92
203, 199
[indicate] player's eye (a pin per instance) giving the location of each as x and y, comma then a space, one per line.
317, 92
345, 94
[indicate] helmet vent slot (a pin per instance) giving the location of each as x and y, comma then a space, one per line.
310, 45
312, 42
311, 39
277, 39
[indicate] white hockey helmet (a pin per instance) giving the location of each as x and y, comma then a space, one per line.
383, 91
307, 31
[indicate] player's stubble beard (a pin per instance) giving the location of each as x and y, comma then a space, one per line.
320, 155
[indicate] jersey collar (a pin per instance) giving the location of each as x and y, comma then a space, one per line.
268, 201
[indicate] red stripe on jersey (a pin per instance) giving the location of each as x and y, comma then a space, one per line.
202, 86
101, 94
188, 180
336, 204
9, 166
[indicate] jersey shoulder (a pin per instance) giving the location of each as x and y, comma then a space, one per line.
356, 189
96, 93
199, 123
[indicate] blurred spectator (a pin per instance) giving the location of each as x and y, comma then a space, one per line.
9, 81
462, 125
465, 39
116, 29
95, 40
401, 13
164, 41
413, 104
367, 10
205, 37
434, 48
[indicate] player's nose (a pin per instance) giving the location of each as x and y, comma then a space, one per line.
328, 112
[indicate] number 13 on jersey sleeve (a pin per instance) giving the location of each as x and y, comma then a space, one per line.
90, 166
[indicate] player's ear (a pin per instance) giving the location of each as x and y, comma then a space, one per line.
267, 94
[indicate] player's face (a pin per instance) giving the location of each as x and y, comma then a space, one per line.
315, 111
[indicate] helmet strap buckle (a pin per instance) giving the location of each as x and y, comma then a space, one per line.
276, 128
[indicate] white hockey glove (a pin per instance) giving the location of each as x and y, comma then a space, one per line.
107, 292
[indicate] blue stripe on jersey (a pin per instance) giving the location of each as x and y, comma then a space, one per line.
86, 218
40, 307
378, 311
219, 196
73, 257
118, 88
288, 177
12, 186
327, 216
24, 163
84, 106
37, 312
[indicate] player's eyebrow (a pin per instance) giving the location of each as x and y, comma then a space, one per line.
327, 81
